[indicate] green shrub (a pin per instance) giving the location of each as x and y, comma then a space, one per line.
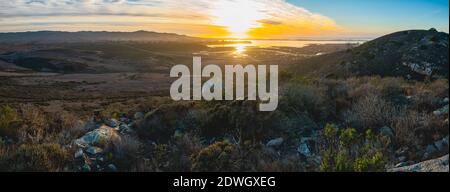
8, 121
374, 163
353, 152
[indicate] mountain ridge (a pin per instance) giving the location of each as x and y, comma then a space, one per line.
90, 36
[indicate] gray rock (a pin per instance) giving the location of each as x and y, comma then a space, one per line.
433, 165
79, 154
86, 168
402, 151
138, 115
401, 159
440, 145
429, 151
303, 149
275, 142
401, 164
94, 150
90, 125
125, 129
112, 123
100, 136
445, 100
445, 141
112, 167
442, 111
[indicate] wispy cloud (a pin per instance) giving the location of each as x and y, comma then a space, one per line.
257, 18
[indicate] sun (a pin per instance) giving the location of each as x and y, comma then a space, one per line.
238, 17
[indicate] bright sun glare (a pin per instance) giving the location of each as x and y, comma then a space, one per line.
238, 17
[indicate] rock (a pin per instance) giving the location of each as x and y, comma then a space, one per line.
440, 146
303, 149
90, 125
445, 141
442, 111
94, 150
97, 137
138, 115
86, 168
125, 129
401, 159
79, 154
433, 165
124, 119
445, 101
402, 151
112, 123
387, 132
275, 142
430, 149
112, 167
401, 164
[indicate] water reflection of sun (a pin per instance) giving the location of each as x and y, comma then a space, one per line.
240, 50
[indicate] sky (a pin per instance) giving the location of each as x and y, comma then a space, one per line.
269, 19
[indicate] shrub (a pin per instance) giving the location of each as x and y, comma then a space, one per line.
35, 124
352, 152
36, 157
305, 100
413, 127
220, 156
126, 153
371, 111
8, 121
185, 146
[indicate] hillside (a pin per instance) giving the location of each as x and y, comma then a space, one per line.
89, 36
412, 54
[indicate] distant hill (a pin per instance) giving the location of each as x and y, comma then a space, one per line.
89, 36
412, 54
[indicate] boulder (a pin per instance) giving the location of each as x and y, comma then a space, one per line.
79, 154
275, 142
433, 165
112, 122
94, 150
303, 149
97, 137
442, 111
112, 168
445, 101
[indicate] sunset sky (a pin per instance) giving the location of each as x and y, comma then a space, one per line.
228, 18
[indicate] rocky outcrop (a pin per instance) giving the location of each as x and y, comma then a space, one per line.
94, 149
433, 165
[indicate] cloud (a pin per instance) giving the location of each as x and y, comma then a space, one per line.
256, 18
